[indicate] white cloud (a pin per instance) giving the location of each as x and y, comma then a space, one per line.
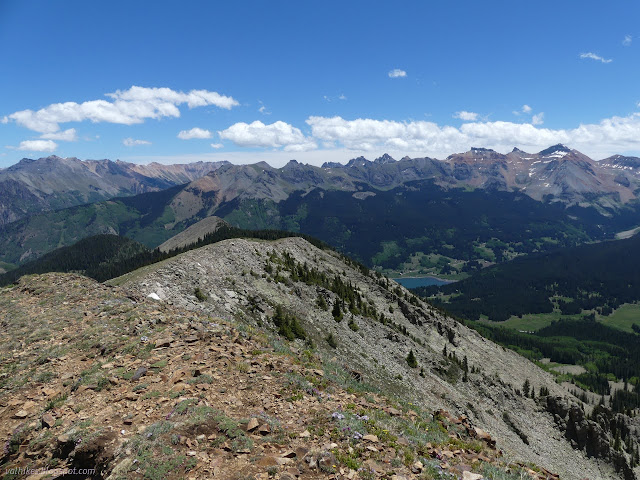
466, 116
193, 98
194, 133
130, 142
526, 109
628, 39
38, 145
538, 119
217, 145
342, 96
593, 56
345, 139
68, 135
275, 135
5, 119
127, 107
617, 134
397, 73
263, 109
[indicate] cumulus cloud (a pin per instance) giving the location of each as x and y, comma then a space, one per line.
217, 145
466, 116
68, 135
194, 133
609, 136
538, 119
130, 142
593, 56
127, 107
526, 109
344, 139
275, 135
626, 41
367, 134
397, 73
38, 145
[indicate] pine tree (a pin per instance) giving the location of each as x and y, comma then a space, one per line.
411, 360
321, 302
525, 388
617, 442
337, 311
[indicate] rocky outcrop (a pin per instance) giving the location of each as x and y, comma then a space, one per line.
594, 435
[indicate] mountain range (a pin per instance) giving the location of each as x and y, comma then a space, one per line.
557, 197
556, 174
51, 183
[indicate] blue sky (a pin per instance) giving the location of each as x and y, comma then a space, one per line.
315, 81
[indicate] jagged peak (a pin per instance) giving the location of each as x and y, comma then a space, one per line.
357, 161
332, 165
292, 164
386, 158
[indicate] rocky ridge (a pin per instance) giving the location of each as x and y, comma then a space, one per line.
193, 233
32, 186
556, 174
106, 383
456, 368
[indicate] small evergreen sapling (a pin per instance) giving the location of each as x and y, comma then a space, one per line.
411, 360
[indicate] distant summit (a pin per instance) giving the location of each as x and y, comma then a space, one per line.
359, 161
386, 158
332, 165
555, 148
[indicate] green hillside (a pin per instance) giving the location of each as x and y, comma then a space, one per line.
597, 278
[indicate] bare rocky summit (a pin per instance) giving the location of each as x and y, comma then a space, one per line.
107, 383
457, 370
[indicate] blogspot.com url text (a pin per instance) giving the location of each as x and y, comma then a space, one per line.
56, 472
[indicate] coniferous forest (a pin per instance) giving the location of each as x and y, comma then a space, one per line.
600, 277
582, 283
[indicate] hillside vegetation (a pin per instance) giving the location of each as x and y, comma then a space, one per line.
103, 257
578, 289
598, 277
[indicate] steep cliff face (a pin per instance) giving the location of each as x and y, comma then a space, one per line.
599, 434
369, 325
